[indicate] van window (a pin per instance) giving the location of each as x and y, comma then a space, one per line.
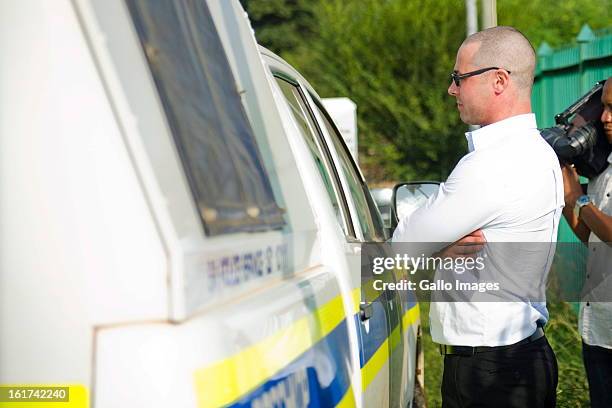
303, 119
211, 131
369, 217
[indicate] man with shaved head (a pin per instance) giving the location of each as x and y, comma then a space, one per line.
508, 188
499, 53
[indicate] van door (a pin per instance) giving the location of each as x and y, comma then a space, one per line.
371, 229
374, 330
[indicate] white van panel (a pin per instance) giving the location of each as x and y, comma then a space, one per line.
189, 364
78, 245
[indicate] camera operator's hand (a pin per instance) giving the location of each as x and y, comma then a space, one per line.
591, 219
571, 186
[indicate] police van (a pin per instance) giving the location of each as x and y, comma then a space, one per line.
181, 221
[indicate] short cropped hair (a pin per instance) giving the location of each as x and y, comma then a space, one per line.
506, 47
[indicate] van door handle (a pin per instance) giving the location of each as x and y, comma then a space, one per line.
366, 310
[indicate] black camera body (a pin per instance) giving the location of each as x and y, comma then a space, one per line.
578, 137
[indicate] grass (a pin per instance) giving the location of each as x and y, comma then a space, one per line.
563, 336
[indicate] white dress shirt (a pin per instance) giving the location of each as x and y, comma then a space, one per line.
595, 321
510, 186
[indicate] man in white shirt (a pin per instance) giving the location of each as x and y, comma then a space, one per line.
590, 216
508, 188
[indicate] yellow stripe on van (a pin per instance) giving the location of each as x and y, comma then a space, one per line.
411, 316
371, 369
356, 300
224, 382
375, 364
348, 401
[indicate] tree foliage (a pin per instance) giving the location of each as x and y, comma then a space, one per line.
393, 58
556, 22
378, 54
281, 25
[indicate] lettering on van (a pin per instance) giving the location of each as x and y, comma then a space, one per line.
291, 392
234, 269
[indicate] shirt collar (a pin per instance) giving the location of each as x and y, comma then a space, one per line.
496, 132
610, 158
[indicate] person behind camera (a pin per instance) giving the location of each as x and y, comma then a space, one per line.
590, 217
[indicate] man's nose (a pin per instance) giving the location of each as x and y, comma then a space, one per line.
452, 89
606, 115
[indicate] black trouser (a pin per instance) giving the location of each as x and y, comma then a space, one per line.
598, 367
521, 376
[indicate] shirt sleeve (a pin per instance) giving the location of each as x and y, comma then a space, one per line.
467, 201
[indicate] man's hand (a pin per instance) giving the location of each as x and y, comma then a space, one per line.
466, 247
571, 186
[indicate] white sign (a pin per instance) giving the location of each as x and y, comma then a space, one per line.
344, 113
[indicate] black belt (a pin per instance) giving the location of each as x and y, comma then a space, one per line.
470, 351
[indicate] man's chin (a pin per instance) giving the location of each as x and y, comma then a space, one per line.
465, 119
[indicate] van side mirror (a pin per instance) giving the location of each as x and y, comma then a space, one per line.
407, 197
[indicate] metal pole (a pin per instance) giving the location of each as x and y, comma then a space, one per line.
489, 13
471, 17
472, 27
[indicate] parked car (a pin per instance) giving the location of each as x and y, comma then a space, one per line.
182, 224
382, 197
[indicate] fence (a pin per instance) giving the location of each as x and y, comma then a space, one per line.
562, 76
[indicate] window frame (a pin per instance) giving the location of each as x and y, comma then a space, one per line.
371, 206
352, 234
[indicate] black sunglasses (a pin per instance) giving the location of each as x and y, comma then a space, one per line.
457, 77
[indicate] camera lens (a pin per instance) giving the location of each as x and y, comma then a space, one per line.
557, 138
583, 138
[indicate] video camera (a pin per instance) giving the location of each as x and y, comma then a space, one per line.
578, 137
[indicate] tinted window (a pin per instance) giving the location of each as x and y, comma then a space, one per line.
213, 136
367, 212
303, 119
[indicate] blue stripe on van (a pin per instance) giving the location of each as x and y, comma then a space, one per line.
376, 334
323, 370
371, 339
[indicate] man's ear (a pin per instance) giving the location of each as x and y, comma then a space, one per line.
502, 80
